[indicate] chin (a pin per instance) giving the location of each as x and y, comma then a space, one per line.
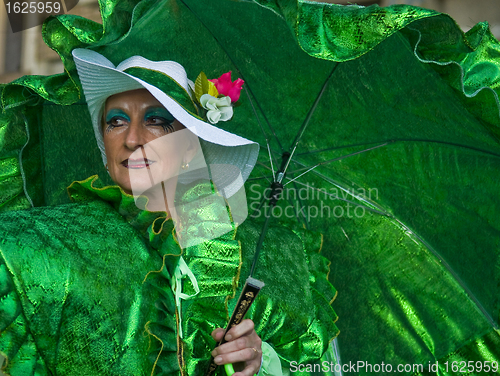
123, 183
133, 185
125, 187
139, 186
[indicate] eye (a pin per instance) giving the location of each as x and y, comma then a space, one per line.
115, 121
159, 121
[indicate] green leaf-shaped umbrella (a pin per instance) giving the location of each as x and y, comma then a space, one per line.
388, 122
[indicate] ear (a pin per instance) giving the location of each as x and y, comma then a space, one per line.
193, 147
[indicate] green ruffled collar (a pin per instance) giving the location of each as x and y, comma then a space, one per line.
215, 264
154, 226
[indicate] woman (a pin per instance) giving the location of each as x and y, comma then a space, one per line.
112, 300
418, 286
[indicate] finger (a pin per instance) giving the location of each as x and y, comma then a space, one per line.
217, 334
245, 355
236, 345
244, 327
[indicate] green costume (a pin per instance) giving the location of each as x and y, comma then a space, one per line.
417, 275
85, 290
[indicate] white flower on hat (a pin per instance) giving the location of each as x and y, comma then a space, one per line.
219, 109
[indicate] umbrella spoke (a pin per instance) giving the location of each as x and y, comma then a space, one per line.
309, 116
339, 147
368, 205
271, 160
247, 87
262, 130
457, 278
401, 140
250, 94
263, 165
308, 169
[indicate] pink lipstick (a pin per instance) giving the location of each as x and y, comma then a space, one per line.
137, 163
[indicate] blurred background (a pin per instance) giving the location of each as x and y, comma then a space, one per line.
25, 52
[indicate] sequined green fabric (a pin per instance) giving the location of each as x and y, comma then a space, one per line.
86, 289
407, 129
74, 303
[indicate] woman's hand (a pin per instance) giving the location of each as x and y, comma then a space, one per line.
243, 345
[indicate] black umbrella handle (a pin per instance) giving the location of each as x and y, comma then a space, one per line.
247, 296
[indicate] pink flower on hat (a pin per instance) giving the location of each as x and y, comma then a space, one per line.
228, 88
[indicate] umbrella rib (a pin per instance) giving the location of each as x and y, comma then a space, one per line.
455, 275
247, 87
339, 147
366, 206
375, 208
263, 165
305, 172
401, 140
332, 160
448, 143
263, 132
309, 116
249, 91
437, 255
271, 160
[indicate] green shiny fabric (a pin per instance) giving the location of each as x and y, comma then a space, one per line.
86, 289
417, 273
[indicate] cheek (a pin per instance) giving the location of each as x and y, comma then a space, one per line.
171, 159
154, 133
111, 144
108, 150
171, 148
112, 163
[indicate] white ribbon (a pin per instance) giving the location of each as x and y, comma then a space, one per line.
181, 271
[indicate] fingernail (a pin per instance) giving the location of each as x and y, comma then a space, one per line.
218, 359
229, 337
214, 353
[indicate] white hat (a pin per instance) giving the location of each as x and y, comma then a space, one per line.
168, 83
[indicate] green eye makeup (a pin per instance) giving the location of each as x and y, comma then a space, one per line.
159, 112
116, 112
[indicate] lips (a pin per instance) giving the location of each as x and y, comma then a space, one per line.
137, 163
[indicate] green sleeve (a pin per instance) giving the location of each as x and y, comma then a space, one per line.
16, 342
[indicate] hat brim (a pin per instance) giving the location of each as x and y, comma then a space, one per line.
100, 79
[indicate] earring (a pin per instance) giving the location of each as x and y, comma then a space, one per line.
106, 167
185, 166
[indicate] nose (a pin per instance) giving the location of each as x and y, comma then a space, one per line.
134, 137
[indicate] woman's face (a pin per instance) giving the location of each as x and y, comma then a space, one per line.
132, 120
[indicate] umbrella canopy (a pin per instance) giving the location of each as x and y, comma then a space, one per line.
391, 118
